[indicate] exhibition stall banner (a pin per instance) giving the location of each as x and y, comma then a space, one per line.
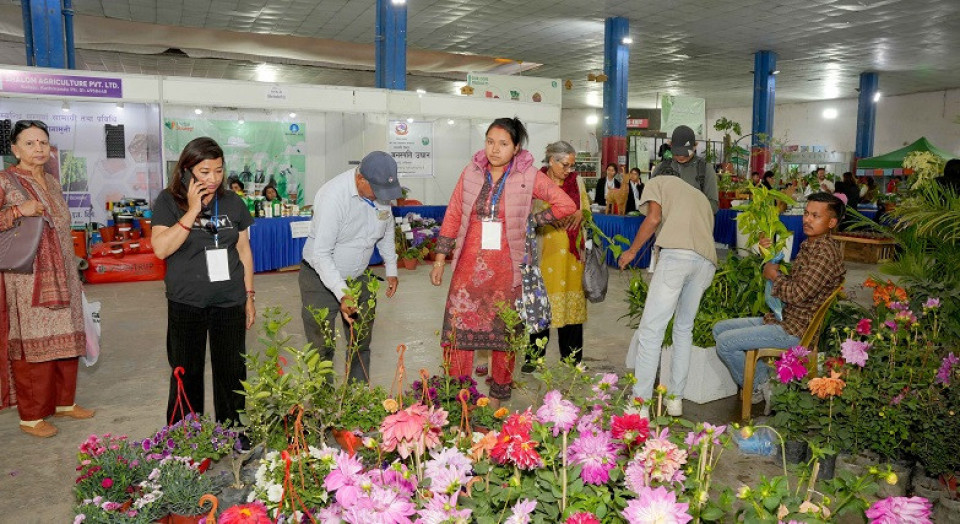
683, 111
516, 88
411, 144
100, 152
35, 83
257, 153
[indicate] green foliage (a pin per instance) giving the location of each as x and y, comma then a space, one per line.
736, 291
724, 125
617, 245
363, 406
286, 378
182, 486
761, 216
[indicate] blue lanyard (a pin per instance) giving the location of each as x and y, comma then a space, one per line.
214, 219
368, 201
499, 191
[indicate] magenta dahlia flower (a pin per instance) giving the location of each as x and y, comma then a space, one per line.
656, 505
557, 411
900, 510
597, 455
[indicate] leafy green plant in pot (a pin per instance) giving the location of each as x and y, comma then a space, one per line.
183, 485
760, 218
285, 380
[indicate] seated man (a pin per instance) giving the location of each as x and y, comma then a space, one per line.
817, 271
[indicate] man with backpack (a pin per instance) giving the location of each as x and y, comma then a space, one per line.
688, 166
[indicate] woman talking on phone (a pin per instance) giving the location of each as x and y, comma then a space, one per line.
200, 229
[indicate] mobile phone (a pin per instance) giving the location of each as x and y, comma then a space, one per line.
185, 176
355, 315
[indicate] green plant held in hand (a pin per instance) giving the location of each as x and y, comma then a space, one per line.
761, 218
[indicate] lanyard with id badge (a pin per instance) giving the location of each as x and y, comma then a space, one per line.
492, 231
218, 267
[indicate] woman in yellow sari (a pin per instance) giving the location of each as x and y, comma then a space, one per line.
561, 261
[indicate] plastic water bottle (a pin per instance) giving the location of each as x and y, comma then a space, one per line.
760, 443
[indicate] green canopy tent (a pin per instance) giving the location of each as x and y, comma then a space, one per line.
894, 159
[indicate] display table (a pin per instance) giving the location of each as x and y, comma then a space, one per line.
627, 227
273, 245
725, 227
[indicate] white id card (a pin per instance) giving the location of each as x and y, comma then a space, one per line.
492, 231
218, 269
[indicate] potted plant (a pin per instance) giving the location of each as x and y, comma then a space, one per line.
411, 257
725, 125
183, 485
200, 438
286, 381
113, 483
793, 406
360, 412
760, 217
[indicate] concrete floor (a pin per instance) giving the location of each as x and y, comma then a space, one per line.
128, 387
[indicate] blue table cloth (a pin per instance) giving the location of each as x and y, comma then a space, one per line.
627, 227
272, 244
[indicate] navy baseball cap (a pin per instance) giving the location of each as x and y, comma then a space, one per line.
380, 170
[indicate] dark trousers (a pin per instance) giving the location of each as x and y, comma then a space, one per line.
314, 293
188, 328
570, 339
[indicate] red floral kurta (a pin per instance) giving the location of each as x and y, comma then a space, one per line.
481, 279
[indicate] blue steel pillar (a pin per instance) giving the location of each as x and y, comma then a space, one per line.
866, 114
616, 59
48, 32
391, 48
764, 86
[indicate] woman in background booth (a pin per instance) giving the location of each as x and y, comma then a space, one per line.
561, 261
486, 220
201, 231
270, 193
635, 190
235, 185
605, 184
41, 313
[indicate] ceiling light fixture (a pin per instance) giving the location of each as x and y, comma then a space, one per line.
592, 120
775, 72
451, 122
241, 120
65, 107
120, 106
627, 40
266, 73
421, 91
410, 120
198, 111
876, 96
399, 2
293, 115
829, 113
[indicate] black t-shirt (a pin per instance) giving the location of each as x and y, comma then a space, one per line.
187, 279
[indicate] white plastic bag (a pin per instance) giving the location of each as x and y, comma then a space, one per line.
91, 325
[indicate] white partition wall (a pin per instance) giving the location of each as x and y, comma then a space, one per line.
338, 124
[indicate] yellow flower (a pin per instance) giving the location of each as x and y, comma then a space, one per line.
502, 412
892, 479
661, 389
391, 405
483, 402
744, 492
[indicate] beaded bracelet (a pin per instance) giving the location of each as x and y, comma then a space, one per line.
187, 229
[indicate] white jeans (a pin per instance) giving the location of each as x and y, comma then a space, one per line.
678, 283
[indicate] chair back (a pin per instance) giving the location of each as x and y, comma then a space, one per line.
812, 334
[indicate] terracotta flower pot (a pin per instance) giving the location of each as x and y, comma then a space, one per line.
409, 263
184, 519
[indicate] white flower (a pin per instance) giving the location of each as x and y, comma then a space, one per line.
275, 493
261, 473
252, 496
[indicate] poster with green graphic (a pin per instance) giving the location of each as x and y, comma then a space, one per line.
257, 153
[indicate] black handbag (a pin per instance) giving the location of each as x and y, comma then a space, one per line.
18, 245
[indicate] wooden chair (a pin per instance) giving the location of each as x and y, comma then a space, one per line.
810, 339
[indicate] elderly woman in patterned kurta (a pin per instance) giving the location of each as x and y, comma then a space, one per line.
487, 220
41, 313
561, 261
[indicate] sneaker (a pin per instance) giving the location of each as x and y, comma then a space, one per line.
674, 407
244, 441
645, 412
